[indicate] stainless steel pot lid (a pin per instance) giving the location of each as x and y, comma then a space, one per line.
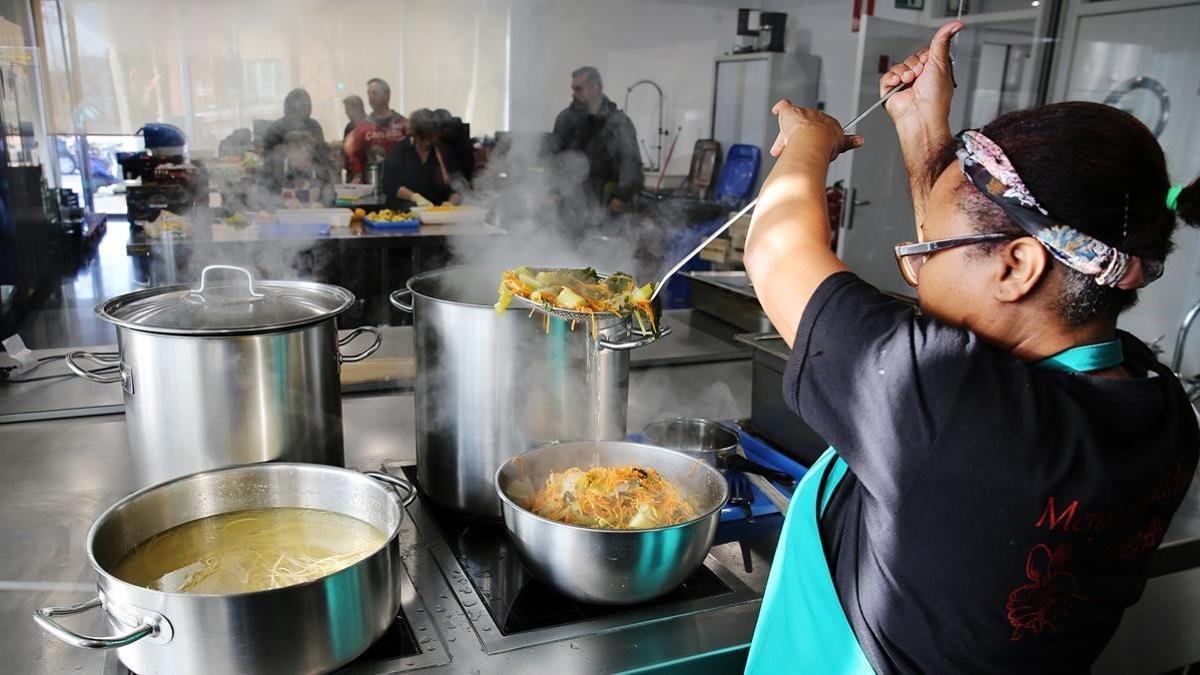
227, 301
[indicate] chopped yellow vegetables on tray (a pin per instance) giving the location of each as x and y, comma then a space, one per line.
388, 215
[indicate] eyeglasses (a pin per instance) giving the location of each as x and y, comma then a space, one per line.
910, 257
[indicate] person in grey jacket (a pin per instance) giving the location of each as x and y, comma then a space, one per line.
592, 125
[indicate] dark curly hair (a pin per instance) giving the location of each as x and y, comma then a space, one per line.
1095, 168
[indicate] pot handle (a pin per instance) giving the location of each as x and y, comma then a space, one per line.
408, 492
634, 344
44, 618
242, 270
73, 359
399, 304
374, 347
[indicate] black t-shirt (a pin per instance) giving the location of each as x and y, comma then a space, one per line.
996, 517
404, 168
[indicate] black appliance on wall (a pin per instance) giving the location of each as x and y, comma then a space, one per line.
761, 31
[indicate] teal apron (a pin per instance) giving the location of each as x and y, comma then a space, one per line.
801, 627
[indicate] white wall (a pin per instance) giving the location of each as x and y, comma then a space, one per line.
823, 28
672, 43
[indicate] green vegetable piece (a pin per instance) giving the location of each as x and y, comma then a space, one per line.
619, 282
643, 294
586, 275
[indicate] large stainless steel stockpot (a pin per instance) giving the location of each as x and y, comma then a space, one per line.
489, 387
312, 627
612, 567
230, 372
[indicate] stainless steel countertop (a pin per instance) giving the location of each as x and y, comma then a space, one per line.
60, 475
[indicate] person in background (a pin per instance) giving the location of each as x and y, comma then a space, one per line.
355, 113
420, 170
1004, 462
371, 140
294, 147
236, 144
592, 125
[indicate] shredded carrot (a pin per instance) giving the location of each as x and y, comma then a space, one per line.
614, 498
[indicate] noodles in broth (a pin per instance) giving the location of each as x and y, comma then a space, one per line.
251, 550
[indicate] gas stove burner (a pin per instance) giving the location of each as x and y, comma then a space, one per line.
517, 600
489, 569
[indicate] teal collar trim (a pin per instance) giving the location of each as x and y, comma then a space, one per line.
1085, 358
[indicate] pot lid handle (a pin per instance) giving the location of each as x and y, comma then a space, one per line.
249, 279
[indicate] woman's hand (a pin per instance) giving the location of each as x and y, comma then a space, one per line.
812, 130
927, 101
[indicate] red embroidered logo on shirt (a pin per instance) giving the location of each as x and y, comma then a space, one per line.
1048, 597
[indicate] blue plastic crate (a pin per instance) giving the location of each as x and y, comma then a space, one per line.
410, 224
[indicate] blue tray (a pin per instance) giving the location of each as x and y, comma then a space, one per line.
410, 224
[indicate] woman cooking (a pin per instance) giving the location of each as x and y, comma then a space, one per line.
1006, 461
420, 170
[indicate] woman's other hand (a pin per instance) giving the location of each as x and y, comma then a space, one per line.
811, 130
927, 76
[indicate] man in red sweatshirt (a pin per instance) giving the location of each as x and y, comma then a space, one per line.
374, 137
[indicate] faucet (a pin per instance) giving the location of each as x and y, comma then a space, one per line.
1190, 385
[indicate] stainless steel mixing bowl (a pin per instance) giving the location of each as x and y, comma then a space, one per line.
611, 567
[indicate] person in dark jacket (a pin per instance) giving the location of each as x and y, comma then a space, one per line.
420, 170
456, 135
592, 125
294, 147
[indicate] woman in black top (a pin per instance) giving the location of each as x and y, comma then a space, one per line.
420, 170
1007, 461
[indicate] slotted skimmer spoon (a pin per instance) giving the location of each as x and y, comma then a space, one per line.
845, 127
754, 202
568, 315
576, 317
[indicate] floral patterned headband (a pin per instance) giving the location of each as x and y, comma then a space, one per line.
988, 169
